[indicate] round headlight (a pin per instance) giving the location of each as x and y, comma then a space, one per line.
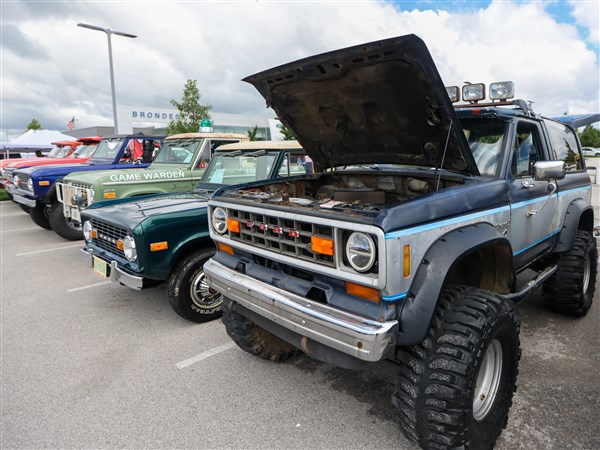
129, 248
219, 220
30, 184
360, 251
87, 230
16, 180
92, 196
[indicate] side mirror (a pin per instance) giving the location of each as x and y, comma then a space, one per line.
549, 170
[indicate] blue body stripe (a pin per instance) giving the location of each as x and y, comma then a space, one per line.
396, 234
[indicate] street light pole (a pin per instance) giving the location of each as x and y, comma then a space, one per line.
110, 32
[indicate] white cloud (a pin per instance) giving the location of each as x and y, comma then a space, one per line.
587, 14
220, 43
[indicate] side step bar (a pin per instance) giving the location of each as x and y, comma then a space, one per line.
531, 285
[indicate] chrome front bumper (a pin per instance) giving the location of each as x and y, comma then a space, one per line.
365, 339
117, 274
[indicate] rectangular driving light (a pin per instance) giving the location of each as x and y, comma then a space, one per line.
502, 90
473, 92
453, 93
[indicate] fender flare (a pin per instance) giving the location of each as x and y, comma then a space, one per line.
51, 194
577, 210
419, 307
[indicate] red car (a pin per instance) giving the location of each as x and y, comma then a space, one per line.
63, 152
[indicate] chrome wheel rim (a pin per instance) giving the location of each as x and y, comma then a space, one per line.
488, 381
203, 296
586, 273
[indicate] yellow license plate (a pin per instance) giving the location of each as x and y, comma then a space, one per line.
100, 267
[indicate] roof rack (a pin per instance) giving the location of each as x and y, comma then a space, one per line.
519, 103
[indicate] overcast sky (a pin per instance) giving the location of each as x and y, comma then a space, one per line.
53, 70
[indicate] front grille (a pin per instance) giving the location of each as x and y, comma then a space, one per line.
107, 236
23, 180
285, 236
75, 189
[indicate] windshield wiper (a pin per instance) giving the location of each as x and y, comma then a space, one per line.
232, 154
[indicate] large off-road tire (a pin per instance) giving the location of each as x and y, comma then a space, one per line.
570, 290
456, 387
189, 294
39, 215
256, 340
62, 226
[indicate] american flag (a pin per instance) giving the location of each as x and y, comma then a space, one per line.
71, 124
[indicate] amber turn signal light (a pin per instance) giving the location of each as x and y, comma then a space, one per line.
225, 248
321, 245
364, 292
233, 225
157, 246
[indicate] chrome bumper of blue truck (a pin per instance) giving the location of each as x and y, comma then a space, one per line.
362, 338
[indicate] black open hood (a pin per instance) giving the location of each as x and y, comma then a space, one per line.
382, 102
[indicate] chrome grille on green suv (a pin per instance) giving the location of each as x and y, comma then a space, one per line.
107, 236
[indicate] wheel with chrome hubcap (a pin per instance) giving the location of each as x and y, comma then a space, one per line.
189, 294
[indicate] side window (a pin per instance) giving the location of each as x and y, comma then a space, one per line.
564, 145
292, 164
527, 149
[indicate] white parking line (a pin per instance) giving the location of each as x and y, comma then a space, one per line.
203, 356
20, 229
15, 214
48, 250
89, 286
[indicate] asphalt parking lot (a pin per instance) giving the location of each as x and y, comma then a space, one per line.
87, 363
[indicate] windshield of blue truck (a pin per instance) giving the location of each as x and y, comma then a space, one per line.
177, 151
84, 150
239, 167
107, 149
485, 137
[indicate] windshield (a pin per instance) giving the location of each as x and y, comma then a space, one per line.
485, 137
179, 151
84, 150
59, 152
237, 167
107, 149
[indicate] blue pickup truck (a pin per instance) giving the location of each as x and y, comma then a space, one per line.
35, 187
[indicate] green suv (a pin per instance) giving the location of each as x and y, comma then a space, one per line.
177, 167
139, 241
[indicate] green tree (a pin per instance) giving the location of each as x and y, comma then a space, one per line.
191, 112
252, 133
34, 125
288, 135
590, 137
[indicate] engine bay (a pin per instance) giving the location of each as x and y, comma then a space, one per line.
346, 192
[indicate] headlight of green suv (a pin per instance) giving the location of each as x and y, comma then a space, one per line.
87, 230
219, 220
360, 251
129, 248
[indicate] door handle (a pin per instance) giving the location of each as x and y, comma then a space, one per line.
527, 184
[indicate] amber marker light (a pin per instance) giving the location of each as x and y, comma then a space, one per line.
94, 233
364, 292
110, 194
158, 246
120, 244
321, 245
225, 248
44, 183
406, 261
233, 225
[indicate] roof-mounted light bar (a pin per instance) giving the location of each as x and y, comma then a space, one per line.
475, 92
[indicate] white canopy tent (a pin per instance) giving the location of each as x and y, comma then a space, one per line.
33, 140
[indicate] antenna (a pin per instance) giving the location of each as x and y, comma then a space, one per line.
439, 176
